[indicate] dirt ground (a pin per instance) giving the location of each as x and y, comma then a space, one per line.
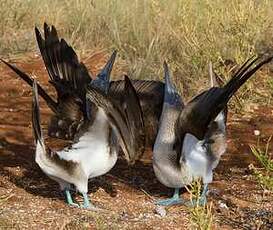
30, 200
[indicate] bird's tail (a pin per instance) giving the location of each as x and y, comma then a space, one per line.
241, 76
171, 95
29, 80
102, 80
36, 123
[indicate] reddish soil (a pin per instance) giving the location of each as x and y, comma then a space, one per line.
30, 200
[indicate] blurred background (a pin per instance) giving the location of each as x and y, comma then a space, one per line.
187, 33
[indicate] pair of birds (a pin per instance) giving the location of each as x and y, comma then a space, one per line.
101, 116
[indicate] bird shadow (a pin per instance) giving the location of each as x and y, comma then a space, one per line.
141, 177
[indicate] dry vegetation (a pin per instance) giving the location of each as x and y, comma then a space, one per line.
263, 175
186, 33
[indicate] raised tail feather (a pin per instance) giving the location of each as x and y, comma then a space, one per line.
102, 80
171, 95
50, 102
36, 123
215, 80
241, 76
204, 108
168, 83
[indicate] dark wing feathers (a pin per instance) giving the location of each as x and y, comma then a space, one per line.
151, 95
134, 118
125, 117
142, 87
70, 78
66, 73
36, 123
200, 111
242, 76
114, 115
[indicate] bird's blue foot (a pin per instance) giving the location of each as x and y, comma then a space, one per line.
171, 201
86, 203
69, 199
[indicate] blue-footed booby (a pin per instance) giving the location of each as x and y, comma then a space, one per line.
95, 150
192, 136
70, 78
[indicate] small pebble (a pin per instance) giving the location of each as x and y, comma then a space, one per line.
257, 132
222, 205
161, 211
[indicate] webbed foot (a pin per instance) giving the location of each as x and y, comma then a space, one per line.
69, 199
74, 205
171, 201
87, 204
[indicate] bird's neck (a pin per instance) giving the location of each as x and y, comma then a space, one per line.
166, 132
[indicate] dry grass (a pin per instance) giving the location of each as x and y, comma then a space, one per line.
201, 217
186, 33
263, 175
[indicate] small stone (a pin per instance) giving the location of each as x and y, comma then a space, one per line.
161, 211
257, 132
222, 205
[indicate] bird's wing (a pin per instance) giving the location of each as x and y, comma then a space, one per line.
201, 110
66, 73
125, 118
150, 94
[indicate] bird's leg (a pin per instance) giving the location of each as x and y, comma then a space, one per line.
171, 201
86, 203
203, 197
69, 199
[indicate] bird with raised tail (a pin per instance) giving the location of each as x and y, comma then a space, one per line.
70, 78
192, 137
95, 150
